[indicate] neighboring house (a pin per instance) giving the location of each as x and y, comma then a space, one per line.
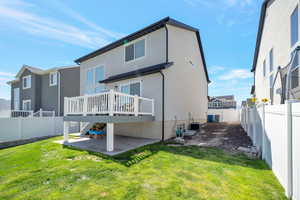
222, 102
4, 104
163, 62
277, 39
35, 89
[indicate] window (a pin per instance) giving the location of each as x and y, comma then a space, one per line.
294, 27
99, 76
271, 56
93, 77
133, 88
295, 78
26, 104
271, 80
135, 50
264, 68
53, 78
26, 82
16, 98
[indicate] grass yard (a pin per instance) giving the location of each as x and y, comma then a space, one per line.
46, 170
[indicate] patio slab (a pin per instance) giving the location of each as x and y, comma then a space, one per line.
121, 144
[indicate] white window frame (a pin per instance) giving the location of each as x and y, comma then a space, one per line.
132, 82
26, 101
133, 42
95, 83
54, 79
18, 102
28, 82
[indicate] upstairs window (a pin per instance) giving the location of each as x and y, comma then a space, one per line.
53, 78
271, 56
26, 82
294, 27
135, 50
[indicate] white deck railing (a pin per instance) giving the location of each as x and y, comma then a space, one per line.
44, 113
110, 103
21, 113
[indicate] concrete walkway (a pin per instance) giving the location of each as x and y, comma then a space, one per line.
121, 144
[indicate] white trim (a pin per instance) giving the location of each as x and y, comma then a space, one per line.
28, 82
54, 78
26, 101
18, 102
133, 42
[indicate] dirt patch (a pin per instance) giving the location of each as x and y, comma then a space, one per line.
226, 136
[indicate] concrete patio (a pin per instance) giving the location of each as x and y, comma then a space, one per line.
121, 144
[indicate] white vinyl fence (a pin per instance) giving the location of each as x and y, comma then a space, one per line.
226, 115
276, 131
14, 129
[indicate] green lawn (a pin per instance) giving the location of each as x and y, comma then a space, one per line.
45, 170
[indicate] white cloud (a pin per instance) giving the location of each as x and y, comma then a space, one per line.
229, 12
236, 74
7, 74
216, 69
15, 13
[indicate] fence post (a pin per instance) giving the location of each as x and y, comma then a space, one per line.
20, 127
263, 132
40, 113
152, 107
289, 122
66, 106
136, 105
85, 105
254, 131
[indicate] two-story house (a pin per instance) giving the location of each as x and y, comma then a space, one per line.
34, 89
277, 40
222, 102
163, 64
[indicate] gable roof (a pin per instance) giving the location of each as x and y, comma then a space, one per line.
38, 71
151, 28
260, 31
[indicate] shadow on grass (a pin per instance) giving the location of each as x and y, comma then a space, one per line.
135, 156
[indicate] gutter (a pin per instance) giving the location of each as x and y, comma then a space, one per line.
163, 86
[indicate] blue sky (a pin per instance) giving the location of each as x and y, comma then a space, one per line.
52, 33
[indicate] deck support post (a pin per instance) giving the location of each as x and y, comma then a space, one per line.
66, 131
110, 137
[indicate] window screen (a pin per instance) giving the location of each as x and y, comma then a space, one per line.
139, 49
129, 53
271, 60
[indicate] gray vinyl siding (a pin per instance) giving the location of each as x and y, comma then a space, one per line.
70, 85
45, 97
30, 93
49, 95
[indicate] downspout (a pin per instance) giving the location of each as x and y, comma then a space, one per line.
163, 85
58, 95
